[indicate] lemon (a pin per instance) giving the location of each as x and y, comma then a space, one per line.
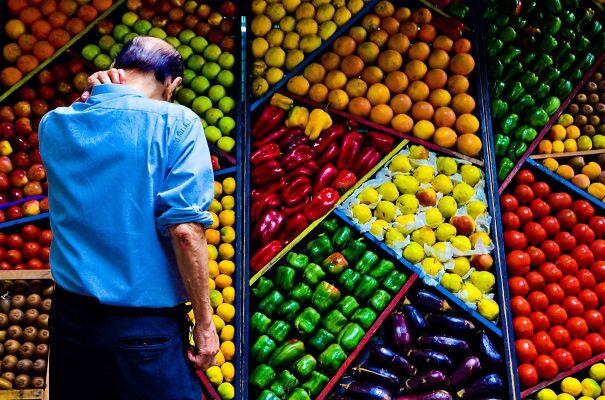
216, 298
226, 312
433, 217
227, 234
385, 210
215, 221
222, 281
219, 359
341, 16
431, 266
215, 206
275, 12
442, 184
572, 385
227, 217
228, 202
229, 294
226, 251
475, 208
228, 371
448, 206
368, 195
590, 388
361, 213
215, 376
287, 24
470, 174
259, 47
310, 43
462, 243
212, 252
227, 333
226, 267
447, 165
228, 350
461, 266
488, 308
424, 235
218, 323
408, 203
546, 394
405, 223
327, 29
275, 57
291, 41
405, 184
445, 232
294, 58
451, 282
213, 269
424, 173
229, 185
305, 10
413, 252
565, 396
355, 6
226, 391
275, 37
218, 189
400, 163
483, 280
393, 236
211, 284
462, 193
307, 26
378, 226
597, 372
274, 75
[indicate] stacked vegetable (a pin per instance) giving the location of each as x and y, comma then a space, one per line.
301, 165
425, 351
535, 58
314, 310
591, 386
432, 211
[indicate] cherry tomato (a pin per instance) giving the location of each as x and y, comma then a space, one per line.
593, 319
508, 202
510, 221
514, 240
523, 327
524, 194
599, 290
556, 314
566, 241
535, 280
551, 249
536, 256
580, 350
598, 249
597, 224
567, 218
583, 209
517, 262
541, 190
573, 306
583, 233
517, 286
550, 272
520, 306
528, 375
526, 350
534, 233
555, 293
566, 264
538, 301
589, 299
550, 225
598, 270
586, 278
559, 201
540, 208
583, 256
559, 336
570, 285
546, 366
540, 321
525, 214
524, 177
577, 327
596, 343
563, 359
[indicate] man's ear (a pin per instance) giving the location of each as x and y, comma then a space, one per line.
172, 86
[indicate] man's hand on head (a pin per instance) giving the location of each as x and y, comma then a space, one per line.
115, 76
207, 344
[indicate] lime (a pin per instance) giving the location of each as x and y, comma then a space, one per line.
226, 391
185, 96
115, 50
210, 70
216, 92
213, 115
129, 37
186, 35
590, 388
212, 52
106, 42
91, 51
226, 144
185, 51
188, 76
226, 125
198, 44
226, 104
142, 27
226, 60
213, 134
158, 33
200, 84
216, 298
129, 18
201, 104
225, 78
196, 62
119, 31
102, 61
174, 42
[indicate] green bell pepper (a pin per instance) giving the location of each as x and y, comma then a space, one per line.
342, 236
394, 281
568, 17
329, 225
307, 321
334, 322
332, 358
316, 384
279, 389
496, 68
354, 250
566, 63
287, 353
259, 322
543, 61
510, 54
553, 6
299, 394
313, 274
347, 306
516, 150
568, 34
288, 380
551, 105
321, 340
537, 117
529, 57
551, 74
494, 47
514, 91
525, 133
278, 331
366, 262
350, 336
297, 261
586, 61
262, 288
320, 247
367, 285
528, 79
301, 293
523, 103
457, 10
570, 5
267, 395
548, 43
507, 34
365, 317
509, 123
513, 70
379, 300
491, 30
271, 303
498, 109
335, 263
262, 376
501, 144
563, 88
325, 296
304, 366
504, 168
497, 89
284, 278
519, 22
349, 279
553, 24
586, 17
595, 28
541, 91
381, 270
502, 20
575, 74
288, 310
262, 348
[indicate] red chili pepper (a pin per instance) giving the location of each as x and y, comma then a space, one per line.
292, 229
330, 154
296, 191
215, 164
267, 121
369, 157
295, 137
327, 137
272, 137
268, 227
276, 187
262, 204
268, 152
382, 142
344, 181
267, 172
449, 26
349, 148
308, 169
325, 177
297, 157
288, 212
264, 255
321, 203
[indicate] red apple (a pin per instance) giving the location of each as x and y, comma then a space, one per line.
4, 182
215, 36
22, 109
427, 197
45, 237
23, 126
36, 173
18, 178
214, 19
32, 189
14, 257
6, 165
202, 28
21, 160
15, 194
30, 232
33, 140
39, 107
147, 13
64, 87
190, 21
76, 65
4, 266
159, 21
45, 253
2, 216
173, 28
45, 77
176, 14
60, 72
44, 204
7, 130
7, 114
228, 9
34, 263
31, 207
20, 143
31, 250
227, 44
3, 198
203, 11
464, 224
105, 27
14, 241
164, 7
227, 26
482, 262
27, 93
46, 92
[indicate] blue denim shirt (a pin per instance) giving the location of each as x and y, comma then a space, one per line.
122, 169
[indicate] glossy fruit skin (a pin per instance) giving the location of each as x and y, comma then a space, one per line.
596, 342
559, 201
534, 232
573, 306
566, 241
535, 280
567, 218
528, 375
538, 300
551, 249
599, 290
583, 209
525, 214
523, 193
597, 224
570, 285
541, 190
555, 293
589, 299
543, 343
550, 225
563, 358
510, 221
550, 272
520, 306
540, 321
586, 278
556, 314
536, 255
567, 264
598, 249
518, 262
508, 203
525, 177
523, 328
518, 286
559, 335
580, 350
526, 350
583, 233
583, 256
546, 367
577, 327
594, 320
515, 240
540, 208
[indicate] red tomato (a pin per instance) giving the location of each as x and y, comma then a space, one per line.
30, 232
4, 266
556, 314
528, 376
593, 319
540, 208
524, 177
535, 280
541, 190
517, 286
600, 292
520, 306
589, 299
536, 255
550, 272
551, 249
601, 331
567, 218
570, 285
539, 320
577, 327
598, 270
31, 250
583, 209
534, 233
597, 224
546, 367
538, 301
510, 221
559, 201
566, 241
3, 238
14, 257
598, 249
596, 343
526, 351
523, 327
514, 240
550, 225
508, 202
559, 336
573, 306
517, 262
555, 293
583, 233
586, 278
35, 263
583, 256
14, 241
524, 194
525, 214
580, 350
566, 264
45, 238
563, 359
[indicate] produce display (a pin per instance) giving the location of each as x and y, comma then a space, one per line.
403, 68
301, 164
25, 248
535, 57
425, 350
588, 385
311, 311
555, 259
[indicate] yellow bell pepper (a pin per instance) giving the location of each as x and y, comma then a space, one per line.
298, 118
319, 120
281, 101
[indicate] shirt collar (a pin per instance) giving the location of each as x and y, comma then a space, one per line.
113, 88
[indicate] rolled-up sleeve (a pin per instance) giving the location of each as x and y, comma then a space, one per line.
188, 189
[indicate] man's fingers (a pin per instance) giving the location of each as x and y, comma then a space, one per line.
114, 76
104, 77
122, 75
92, 81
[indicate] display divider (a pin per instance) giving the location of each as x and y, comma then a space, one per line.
215, 150
25, 220
25, 274
568, 154
224, 172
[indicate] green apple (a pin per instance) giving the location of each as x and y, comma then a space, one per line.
225, 144
196, 62
102, 61
213, 134
158, 33
213, 115
225, 78
226, 60
174, 42
188, 75
119, 31
210, 70
129, 37
185, 96
91, 51
204, 123
129, 18
185, 51
106, 42
226, 104
186, 35
201, 104
200, 84
115, 49
226, 125
212, 52
198, 44
142, 27
216, 92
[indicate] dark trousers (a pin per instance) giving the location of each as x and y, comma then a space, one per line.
118, 353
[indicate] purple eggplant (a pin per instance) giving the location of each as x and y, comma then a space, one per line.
429, 380
367, 391
449, 323
437, 395
414, 318
446, 344
488, 350
484, 386
430, 359
391, 360
401, 333
465, 371
430, 300
380, 376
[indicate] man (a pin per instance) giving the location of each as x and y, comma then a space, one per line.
130, 181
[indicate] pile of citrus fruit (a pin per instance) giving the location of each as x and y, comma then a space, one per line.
285, 31
398, 70
584, 387
38, 28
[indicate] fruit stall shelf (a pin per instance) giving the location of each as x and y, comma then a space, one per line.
25, 274
25, 220
25, 394
569, 154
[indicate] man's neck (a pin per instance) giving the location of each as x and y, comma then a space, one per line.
145, 84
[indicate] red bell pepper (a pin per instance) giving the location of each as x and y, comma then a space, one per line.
351, 124
325, 177
321, 203
349, 148
449, 26
327, 137
382, 142
289, 211
269, 119
367, 159
267, 152
308, 169
276, 187
215, 164
272, 137
264, 203
294, 138
344, 181
268, 227
297, 157
296, 191
264, 255
293, 228
330, 154
267, 172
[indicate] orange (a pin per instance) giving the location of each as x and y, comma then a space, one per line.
415, 70
422, 16
370, 22
318, 92
409, 29
436, 78
467, 123
26, 42
378, 94
87, 13
390, 60
379, 37
352, 65
11, 52
29, 15
14, 6
27, 63
424, 129
74, 26
440, 98
462, 45
41, 29
390, 25
58, 37
381, 114
213, 236
57, 19
358, 33
48, 7
422, 110
101, 5
469, 144
372, 74
384, 8
338, 99
445, 137
419, 51
368, 51
10, 76
545, 147
14, 28
418, 91
457, 84
402, 14
360, 106
402, 123
439, 59
399, 42
401, 103
298, 85
43, 50
356, 87
344, 46
427, 33
462, 63
335, 80
444, 116
330, 61
463, 103
443, 42
396, 81
68, 7
314, 73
